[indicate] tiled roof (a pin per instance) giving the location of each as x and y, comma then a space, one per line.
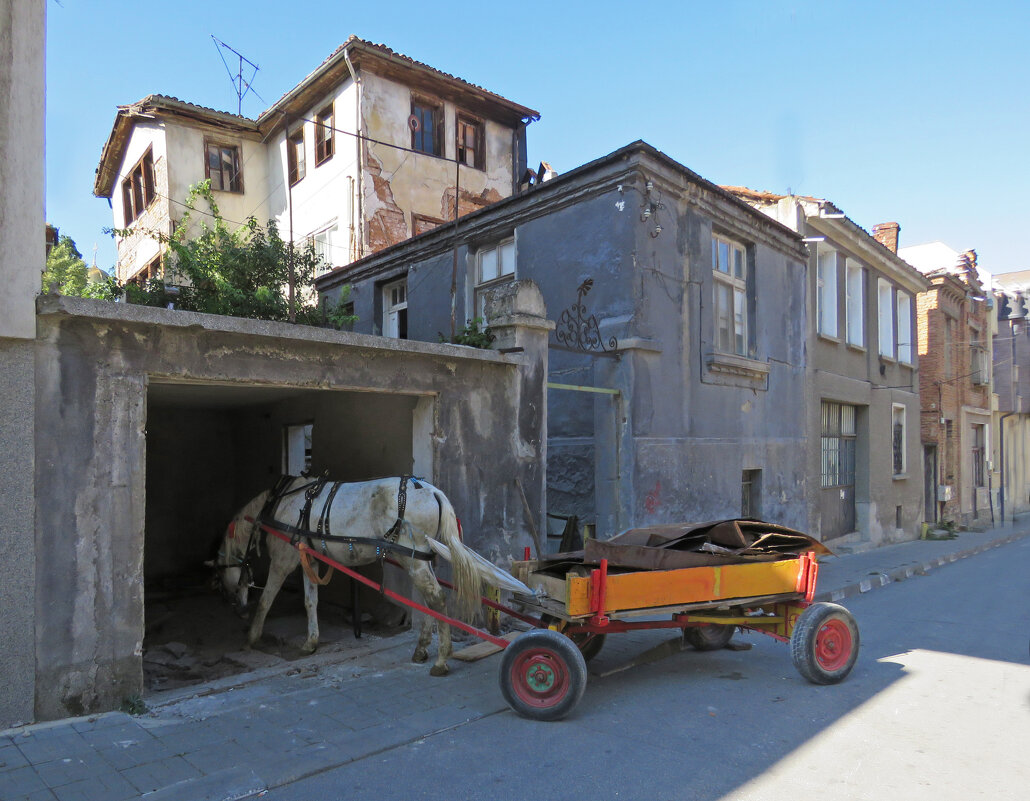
167, 101
355, 43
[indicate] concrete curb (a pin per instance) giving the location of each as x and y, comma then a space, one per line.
906, 572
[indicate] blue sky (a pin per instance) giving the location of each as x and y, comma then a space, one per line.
909, 111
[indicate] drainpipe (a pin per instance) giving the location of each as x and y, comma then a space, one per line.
361, 153
1001, 456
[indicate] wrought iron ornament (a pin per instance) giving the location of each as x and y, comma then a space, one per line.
577, 330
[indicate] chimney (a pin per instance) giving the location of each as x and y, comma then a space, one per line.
887, 235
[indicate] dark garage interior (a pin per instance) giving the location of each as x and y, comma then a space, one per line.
210, 449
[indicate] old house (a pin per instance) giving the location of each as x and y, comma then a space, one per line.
954, 336
863, 402
677, 367
1011, 384
367, 150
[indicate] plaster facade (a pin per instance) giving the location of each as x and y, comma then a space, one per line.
674, 425
1011, 413
862, 372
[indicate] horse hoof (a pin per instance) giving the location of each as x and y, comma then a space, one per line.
309, 648
420, 656
439, 670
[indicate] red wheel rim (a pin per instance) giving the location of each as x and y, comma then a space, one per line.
833, 645
540, 678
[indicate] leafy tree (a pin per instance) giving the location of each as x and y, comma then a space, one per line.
66, 270
240, 272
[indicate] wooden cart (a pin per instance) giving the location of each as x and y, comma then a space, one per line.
543, 672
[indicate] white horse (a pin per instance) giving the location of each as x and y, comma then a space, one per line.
365, 510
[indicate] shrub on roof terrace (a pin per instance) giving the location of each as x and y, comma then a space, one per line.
239, 270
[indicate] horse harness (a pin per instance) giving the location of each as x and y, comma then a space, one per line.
303, 531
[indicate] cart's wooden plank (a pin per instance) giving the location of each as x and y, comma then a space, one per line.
483, 649
661, 588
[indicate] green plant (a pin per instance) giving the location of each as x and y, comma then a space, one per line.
241, 272
133, 705
341, 315
471, 335
67, 273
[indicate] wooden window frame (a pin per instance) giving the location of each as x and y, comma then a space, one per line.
296, 168
325, 142
424, 218
737, 286
478, 154
138, 188
438, 126
235, 184
483, 286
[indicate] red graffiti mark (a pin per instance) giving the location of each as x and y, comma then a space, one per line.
653, 499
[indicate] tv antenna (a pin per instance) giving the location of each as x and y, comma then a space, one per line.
240, 84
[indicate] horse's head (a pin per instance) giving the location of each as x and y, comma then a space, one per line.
234, 575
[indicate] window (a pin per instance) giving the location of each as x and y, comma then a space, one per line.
838, 445
325, 243
979, 363
495, 265
151, 271
885, 315
426, 122
751, 493
979, 451
295, 155
855, 307
729, 264
324, 135
898, 440
297, 449
138, 188
826, 297
395, 309
420, 223
223, 167
904, 327
948, 345
470, 143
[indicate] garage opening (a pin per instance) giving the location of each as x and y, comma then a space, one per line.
213, 447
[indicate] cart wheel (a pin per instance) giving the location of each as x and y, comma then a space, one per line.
824, 643
589, 645
543, 675
708, 638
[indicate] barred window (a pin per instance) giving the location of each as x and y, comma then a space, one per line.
838, 445
898, 439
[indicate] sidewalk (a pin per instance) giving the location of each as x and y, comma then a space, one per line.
240, 736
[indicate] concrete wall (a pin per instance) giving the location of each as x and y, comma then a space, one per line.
22, 259
475, 422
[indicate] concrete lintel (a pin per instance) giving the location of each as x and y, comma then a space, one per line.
102, 310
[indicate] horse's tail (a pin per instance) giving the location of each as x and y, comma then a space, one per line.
467, 577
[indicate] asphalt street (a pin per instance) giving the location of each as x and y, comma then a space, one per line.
936, 708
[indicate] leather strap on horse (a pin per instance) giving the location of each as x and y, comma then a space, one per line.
310, 570
402, 503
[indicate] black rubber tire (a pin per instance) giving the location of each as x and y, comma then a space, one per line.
708, 638
824, 643
589, 645
543, 675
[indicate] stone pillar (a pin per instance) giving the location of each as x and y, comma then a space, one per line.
22, 257
518, 318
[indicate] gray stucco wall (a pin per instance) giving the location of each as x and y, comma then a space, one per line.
17, 516
674, 442
482, 428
